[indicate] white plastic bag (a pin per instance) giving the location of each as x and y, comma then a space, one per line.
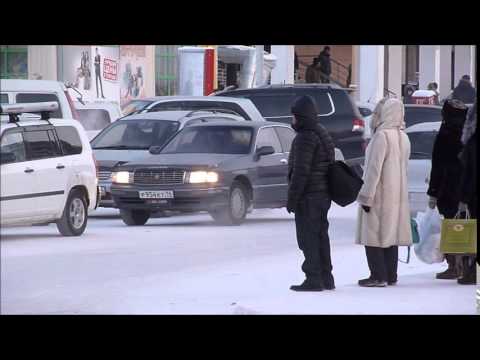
429, 228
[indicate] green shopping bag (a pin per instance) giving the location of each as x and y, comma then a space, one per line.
459, 236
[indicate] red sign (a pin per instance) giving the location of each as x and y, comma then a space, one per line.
208, 72
110, 69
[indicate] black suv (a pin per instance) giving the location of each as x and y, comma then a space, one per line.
224, 168
337, 111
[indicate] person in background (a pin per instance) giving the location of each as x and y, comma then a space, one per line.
312, 74
468, 186
445, 175
470, 124
464, 91
98, 73
384, 212
311, 154
325, 65
433, 86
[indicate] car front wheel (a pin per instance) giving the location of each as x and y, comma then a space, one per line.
74, 217
134, 217
237, 209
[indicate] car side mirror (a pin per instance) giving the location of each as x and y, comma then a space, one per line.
7, 157
155, 150
263, 151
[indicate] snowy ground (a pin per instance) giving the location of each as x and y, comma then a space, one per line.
188, 265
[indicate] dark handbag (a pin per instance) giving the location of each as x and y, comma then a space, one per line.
343, 183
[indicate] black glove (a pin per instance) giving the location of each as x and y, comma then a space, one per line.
366, 208
290, 207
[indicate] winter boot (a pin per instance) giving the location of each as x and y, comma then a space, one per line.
452, 272
370, 282
307, 286
470, 274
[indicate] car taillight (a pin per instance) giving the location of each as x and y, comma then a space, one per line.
72, 106
358, 125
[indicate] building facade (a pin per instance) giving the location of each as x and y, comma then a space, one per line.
376, 70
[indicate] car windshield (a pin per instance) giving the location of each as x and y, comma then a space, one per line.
135, 134
211, 140
422, 144
134, 105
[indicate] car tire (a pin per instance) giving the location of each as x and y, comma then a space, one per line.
238, 205
75, 214
134, 217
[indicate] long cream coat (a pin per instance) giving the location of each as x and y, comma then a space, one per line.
385, 187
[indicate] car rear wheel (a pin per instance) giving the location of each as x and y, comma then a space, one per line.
75, 214
134, 217
237, 209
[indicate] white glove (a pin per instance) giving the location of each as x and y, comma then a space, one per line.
432, 202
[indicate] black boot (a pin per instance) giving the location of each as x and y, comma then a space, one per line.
307, 286
470, 272
370, 282
451, 273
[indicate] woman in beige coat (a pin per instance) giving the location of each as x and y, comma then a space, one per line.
384, 214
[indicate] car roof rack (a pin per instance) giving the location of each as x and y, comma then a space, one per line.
214, 110
14, 110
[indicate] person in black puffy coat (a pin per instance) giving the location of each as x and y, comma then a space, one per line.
445, 176
310, 156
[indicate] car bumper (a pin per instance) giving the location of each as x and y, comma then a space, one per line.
106, 199
185, 199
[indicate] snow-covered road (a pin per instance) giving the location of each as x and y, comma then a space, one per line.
188, 265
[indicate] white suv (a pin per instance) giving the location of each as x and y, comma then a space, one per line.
48, 172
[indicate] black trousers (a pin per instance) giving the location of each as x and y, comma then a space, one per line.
312, 237
383, 262
98, 78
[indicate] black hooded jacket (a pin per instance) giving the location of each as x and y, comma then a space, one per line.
464, 92
311, 153
324, 63
446, 170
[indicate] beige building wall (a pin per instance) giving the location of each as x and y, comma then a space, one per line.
150, 70
42, 62
395, 66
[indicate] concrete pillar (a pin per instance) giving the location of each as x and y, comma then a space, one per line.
150, 70
355, 70
42, 62
395, 66
259, 65
371, 73
443, 69
473, 64
427, 65
462, 62
283, 72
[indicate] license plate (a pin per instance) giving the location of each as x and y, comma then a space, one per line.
165, 194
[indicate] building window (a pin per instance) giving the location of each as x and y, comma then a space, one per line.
166, 69
13, 62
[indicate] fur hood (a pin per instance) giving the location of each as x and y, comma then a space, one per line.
388, 114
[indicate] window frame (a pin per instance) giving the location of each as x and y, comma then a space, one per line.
272, 127
52, 137
6, 50
57, 138
279, 137
13, 131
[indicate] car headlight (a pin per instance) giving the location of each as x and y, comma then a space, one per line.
121, 177
199, 177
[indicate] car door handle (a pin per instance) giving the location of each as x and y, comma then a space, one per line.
284, 161
60, 166
28, 170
